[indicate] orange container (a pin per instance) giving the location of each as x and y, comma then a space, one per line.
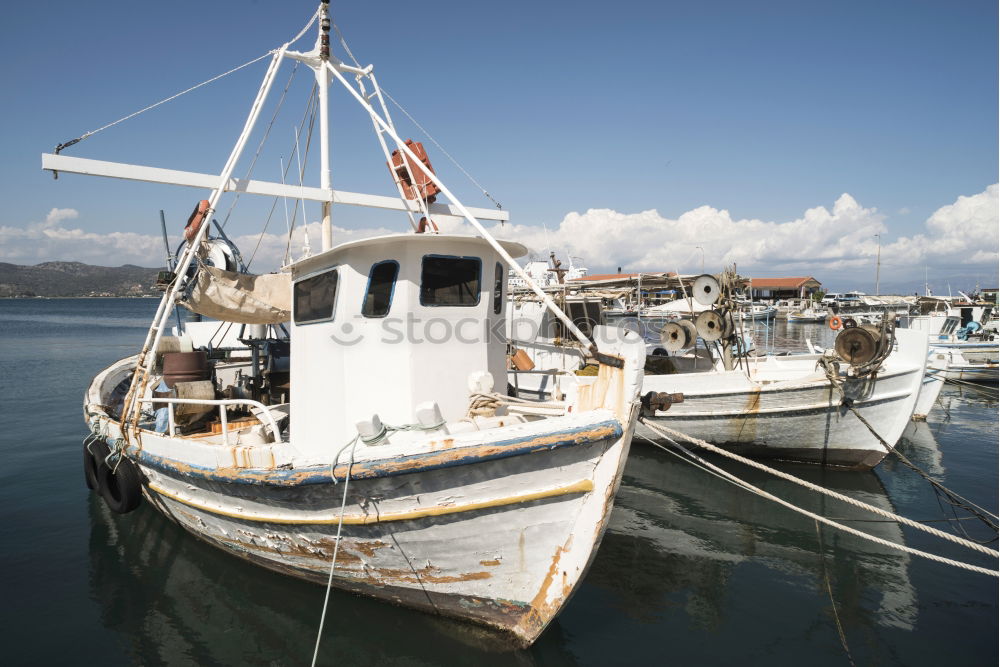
521, 360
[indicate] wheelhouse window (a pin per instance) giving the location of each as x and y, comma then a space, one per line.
313, 298
498, 281
381, 284
450, 281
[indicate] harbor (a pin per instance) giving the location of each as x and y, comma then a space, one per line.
373, 415
687, 556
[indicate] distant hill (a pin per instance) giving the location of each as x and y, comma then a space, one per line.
75, 279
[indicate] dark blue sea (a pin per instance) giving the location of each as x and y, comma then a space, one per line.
692, 570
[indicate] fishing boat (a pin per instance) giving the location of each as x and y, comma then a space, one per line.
966, 353
812, 314
787, 407
833, 407
757, 311
346, 452
931, 386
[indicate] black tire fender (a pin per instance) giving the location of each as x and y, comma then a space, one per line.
94, 453
121, 486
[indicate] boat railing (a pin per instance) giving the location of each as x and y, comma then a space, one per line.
264, 413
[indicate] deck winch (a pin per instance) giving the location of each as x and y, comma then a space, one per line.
865, 345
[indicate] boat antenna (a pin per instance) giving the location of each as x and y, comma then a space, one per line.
166, 243
324, 30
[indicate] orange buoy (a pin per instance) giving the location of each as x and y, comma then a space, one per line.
194, 223
835, 323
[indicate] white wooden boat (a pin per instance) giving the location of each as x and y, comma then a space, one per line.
383, 462
968, 363
758, 311
786, 407
781, 407
808, 315
968, 354
931, 386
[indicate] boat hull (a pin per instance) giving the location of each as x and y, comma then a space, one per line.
967, 362
804, 419
500, 538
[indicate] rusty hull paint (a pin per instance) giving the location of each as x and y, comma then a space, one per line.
534, 623
610, 429
500, 616
541, 612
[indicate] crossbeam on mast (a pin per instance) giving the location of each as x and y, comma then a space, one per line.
77, 165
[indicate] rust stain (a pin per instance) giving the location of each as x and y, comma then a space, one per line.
541, 612
368, 548
490, 563
320, 550
743, 421
425, 575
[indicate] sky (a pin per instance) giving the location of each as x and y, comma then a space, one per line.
779, 136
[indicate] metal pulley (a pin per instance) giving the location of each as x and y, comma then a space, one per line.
706, 289
859, 345
711, 325
678, 335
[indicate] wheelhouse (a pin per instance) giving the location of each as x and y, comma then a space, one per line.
382, 325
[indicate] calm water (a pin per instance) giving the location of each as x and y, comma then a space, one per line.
692, 570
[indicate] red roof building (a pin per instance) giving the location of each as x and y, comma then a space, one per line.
783, 288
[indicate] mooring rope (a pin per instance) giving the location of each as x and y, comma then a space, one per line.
670, 434
984, 515
336, 546
992, 391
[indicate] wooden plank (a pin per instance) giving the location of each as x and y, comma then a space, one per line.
132, 172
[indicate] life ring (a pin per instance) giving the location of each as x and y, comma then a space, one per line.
194, 222
835, 322
121, 485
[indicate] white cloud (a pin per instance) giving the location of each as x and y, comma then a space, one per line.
48, 240
56, 216
820, 240
961, 236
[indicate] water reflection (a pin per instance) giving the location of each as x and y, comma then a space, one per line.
175, 600
919, 444
678, 529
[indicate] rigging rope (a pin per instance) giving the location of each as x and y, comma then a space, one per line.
442, 149
343, 42
260, 146
814, 516
309, 108
302, 32
69, 143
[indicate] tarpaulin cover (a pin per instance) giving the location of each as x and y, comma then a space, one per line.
240, 297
